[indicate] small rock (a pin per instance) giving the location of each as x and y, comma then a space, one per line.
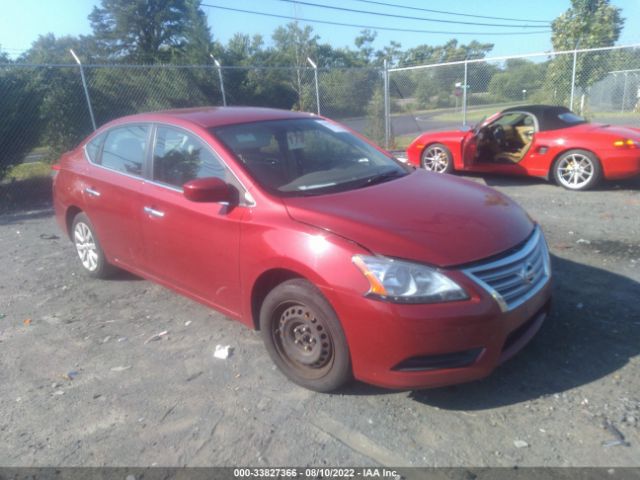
583, 241
59, 392
55, 385
520, 444
187, 323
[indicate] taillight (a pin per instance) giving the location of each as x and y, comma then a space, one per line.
55, 168
626, 143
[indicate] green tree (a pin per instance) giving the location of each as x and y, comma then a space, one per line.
150, 31
518, 75
20, 121
586, 24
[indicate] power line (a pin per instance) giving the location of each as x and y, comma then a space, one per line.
406, 17
371, 27
395, 5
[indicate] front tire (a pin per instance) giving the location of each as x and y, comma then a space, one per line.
88, 248
577, 170
304, 337
437, 158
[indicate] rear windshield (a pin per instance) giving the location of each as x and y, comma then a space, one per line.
571, 118
307, 156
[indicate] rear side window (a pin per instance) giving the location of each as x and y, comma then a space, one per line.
124, 149
93, 148
179, 157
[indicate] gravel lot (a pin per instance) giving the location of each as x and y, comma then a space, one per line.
82, 384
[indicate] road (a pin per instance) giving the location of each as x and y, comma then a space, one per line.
83, 384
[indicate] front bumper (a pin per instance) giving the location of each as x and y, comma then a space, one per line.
385, 339
620, 163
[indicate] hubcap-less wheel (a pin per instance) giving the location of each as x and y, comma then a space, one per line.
86, 246
575, 171
303, 341
436, 159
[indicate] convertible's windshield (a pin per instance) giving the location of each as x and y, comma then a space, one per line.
307, 156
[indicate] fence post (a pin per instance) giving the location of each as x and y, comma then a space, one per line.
86, 89
624, 92
219, 67
573, 79
465, 87
387, 109
315, 73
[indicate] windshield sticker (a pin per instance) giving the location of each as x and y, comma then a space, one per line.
332, 127
295, 139
245, 137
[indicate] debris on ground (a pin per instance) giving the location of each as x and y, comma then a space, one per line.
45, 236
222, 351
121, 368
583, 241
27, 321
187, 323
70, 375
156, 337
520, 444
619, 436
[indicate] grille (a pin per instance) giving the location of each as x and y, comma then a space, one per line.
518, 276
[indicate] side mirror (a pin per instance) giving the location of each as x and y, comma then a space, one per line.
210, 189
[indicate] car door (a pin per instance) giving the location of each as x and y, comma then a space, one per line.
112, 190
193, 247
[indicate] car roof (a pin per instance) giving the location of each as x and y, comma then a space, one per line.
547, 115
207, 117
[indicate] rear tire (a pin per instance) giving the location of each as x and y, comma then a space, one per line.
88, 247
577, 170
437, 158
304, 337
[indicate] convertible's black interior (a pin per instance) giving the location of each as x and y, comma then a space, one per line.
507, 139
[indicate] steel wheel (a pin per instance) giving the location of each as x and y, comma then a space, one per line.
577, 170
304, 337
88, 248
85, 246
437, 158
301, 338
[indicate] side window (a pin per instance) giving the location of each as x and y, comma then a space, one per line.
93, 148
179, 157
124, 149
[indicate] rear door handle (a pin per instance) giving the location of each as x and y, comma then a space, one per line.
153, 212
92, 192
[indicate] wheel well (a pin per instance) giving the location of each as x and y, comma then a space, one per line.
263, 285
70, 215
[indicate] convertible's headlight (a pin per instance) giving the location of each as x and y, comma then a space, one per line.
406, 282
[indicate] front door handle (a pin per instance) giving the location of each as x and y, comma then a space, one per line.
153, 212
92, 192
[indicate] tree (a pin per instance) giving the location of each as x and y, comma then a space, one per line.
150, 31
292, 46
586, 24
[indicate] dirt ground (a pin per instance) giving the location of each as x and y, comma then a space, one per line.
82, 384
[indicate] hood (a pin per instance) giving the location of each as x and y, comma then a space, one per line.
431, 218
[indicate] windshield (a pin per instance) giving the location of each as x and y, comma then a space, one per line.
307, 156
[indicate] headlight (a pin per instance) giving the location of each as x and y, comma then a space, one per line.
405, 282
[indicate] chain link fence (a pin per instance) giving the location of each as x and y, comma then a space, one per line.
600, 84
47, 109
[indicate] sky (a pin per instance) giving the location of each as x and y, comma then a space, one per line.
23, 21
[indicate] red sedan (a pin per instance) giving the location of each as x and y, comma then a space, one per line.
293, 224
538, 140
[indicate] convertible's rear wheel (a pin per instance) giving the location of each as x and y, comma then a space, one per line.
577, 170
437, 158
304, 337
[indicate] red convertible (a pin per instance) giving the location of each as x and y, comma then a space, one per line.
537, 140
